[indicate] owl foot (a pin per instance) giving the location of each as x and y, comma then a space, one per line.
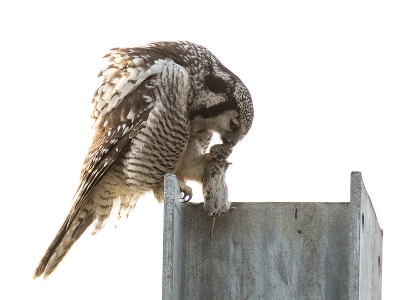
220, 152
186, 193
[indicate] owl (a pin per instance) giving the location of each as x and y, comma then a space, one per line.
154, 113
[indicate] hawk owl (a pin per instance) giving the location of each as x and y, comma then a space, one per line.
154, 113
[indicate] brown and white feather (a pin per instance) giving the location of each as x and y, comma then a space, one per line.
154, 113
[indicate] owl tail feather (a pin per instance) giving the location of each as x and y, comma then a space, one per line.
74, 225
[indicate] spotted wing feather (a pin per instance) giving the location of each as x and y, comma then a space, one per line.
114, 131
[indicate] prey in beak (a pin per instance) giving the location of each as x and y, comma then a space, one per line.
215, 190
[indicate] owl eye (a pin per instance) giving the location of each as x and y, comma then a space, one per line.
234, 124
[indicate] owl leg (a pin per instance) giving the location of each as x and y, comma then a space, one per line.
193, 162
185, 190
218, 153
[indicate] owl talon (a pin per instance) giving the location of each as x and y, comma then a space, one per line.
186, 193
221, 152
184, 197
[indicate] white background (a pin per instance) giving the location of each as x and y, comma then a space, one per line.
324, 78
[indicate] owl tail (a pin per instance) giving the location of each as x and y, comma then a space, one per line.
74, 225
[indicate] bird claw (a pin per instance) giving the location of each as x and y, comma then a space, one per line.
185, 190
184, 195
221, 152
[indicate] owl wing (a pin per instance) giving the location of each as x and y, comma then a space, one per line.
122, 105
